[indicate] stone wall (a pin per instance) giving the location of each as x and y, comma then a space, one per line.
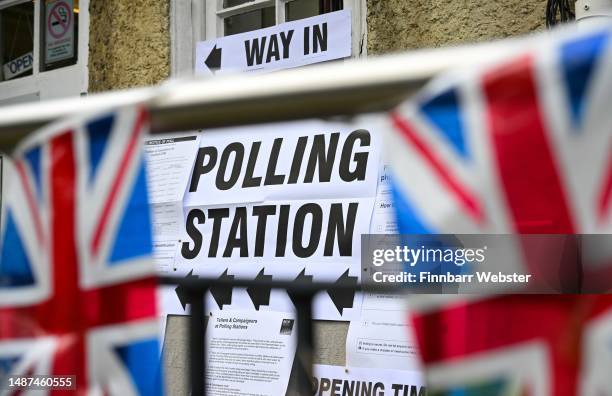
395, 25
129, 43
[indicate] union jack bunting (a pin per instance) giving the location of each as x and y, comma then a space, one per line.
77, 285
521, 145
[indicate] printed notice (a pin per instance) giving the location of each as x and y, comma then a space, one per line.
383, 217
249, 353
334, 380
169, 162
382, 339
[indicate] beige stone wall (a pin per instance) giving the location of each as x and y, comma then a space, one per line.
129, 43
395, 25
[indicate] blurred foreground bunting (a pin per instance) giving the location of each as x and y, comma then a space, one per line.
521, 146
77, 285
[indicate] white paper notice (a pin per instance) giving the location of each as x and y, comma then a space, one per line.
340, 381
164, 253
383, 218
249, 353
169, 162
382, 339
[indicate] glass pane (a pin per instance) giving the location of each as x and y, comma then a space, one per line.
233, 3
300, 9
61, 30
251, 20
17, 41
330, 5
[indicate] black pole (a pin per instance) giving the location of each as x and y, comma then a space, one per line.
305, 345
197, 344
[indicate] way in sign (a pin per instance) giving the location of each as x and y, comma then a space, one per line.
277, 46
310, 40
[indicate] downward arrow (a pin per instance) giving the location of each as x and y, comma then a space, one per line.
182, 294
343, 298
303, 279
222, 294
213, 62
260, 295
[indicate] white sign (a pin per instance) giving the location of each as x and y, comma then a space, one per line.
249, 353
383, 218
311, 40
169, 161
382, 339
338, 381
59, 34
282, 201
18, 66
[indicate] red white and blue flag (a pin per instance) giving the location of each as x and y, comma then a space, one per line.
77, 284
521, 145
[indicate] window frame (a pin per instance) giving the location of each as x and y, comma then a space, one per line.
201, 20
66, 81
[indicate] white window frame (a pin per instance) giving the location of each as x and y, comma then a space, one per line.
66, 81
199, 20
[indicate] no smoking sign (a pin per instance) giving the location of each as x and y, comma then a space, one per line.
59, 37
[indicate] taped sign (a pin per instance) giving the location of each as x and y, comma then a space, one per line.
59, 30
310, 40
281, 201
264, 193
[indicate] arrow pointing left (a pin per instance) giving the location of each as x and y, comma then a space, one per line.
222, 294
260, 295
213, 61
343, 298
182, 294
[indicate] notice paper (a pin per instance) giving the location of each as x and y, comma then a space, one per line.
383, 217
249, 353
340, 381
382, 339
169, 161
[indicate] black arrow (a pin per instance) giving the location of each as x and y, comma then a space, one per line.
301, 278
222, 294
182, 294
260, 295
214, 59
343, 298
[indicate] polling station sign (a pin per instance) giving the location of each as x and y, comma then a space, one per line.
283, 201
311, 40
59, 30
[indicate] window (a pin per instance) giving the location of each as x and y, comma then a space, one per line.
229, 17
39, 49
300, 9
17, 40
250, 20
210, 19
